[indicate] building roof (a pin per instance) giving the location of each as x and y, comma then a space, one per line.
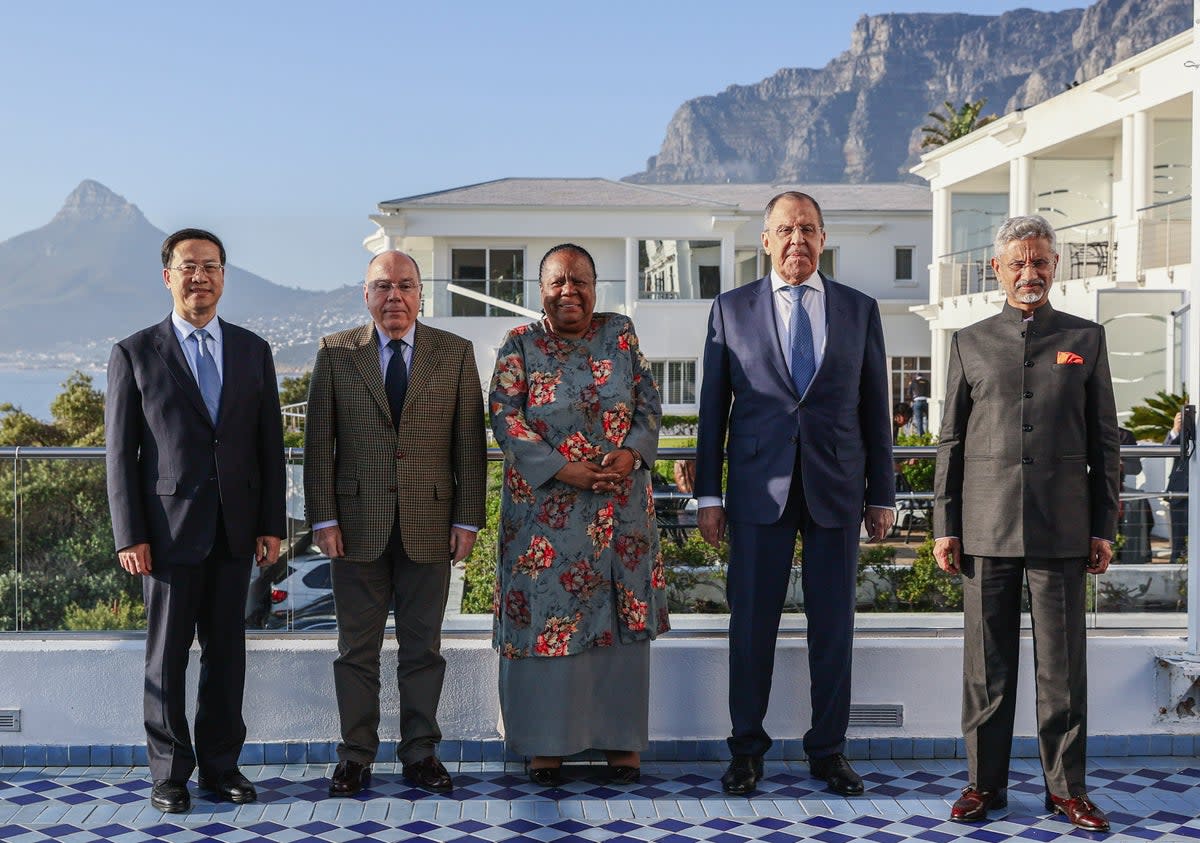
606, 193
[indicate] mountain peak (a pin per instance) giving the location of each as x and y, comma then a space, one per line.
93, 201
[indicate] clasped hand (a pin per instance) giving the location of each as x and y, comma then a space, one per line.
602, 477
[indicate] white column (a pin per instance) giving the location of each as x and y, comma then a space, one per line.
1193, 367
631, 273
1142, 154
940, 241
728, 261
1019, 186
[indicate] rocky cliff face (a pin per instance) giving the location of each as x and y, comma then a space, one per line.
859, 118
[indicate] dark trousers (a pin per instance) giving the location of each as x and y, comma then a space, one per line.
991, 642
362, 596
760, 568
185, 602
1179, 529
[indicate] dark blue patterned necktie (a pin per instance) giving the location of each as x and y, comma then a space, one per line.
206, 375
396, 380
803, 359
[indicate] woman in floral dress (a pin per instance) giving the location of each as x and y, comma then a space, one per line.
580, 590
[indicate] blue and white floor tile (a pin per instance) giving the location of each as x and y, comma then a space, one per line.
1145, 798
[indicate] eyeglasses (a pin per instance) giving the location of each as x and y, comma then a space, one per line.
190, 269
382, 288
784, 232
1039, 265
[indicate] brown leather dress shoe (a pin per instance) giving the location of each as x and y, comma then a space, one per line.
974, 804
349, 777
1080, 810
428, 774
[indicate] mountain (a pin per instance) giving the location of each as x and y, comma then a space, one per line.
92, 275
859, 118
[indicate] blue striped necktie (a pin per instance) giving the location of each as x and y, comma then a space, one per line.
206, 375
800, 336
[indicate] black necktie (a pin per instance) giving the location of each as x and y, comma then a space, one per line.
396, 380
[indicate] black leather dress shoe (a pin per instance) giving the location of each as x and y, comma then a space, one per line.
838, 774
231, 786
349, 777
546, 776
1080, 810
428, 774
974, 804
170, 797
743, 775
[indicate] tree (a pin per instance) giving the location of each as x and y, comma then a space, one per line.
295, 390
65, 546
955, 122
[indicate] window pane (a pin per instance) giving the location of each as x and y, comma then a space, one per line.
468, 263
904, 260
507, 263
687, 383
828, 263
679, 269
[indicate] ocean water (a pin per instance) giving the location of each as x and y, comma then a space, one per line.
33, 389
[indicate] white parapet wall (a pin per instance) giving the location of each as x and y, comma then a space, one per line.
88, 691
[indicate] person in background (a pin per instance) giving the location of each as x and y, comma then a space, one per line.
580, 585
194, 450
918, 398
901, 415
1177, 481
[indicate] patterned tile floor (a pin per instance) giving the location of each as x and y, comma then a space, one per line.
1146, 799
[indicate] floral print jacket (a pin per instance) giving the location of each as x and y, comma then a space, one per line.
577, 569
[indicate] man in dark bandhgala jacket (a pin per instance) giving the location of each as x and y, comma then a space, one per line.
1026, 487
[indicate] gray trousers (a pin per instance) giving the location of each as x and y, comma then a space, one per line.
991, 642
362, 596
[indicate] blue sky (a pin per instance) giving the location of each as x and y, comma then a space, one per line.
282, 125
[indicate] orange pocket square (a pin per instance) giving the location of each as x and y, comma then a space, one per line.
1069, 357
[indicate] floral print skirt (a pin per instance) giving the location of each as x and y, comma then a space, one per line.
598, 699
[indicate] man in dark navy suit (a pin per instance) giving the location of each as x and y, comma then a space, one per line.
196, 488
795, 374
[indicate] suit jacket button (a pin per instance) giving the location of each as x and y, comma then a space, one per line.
1026, 427
399, 455
1028, 363
1028, 394
1022, 333
793, 439
391, 488
1026, 460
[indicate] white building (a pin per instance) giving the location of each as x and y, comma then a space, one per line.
662, 254
1109, 163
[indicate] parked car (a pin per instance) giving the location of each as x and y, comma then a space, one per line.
308, 584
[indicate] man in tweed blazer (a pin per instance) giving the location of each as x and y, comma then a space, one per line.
393, 501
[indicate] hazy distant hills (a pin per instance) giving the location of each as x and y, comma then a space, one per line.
93, 275
858, 119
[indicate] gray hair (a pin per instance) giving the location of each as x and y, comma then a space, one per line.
1024, 228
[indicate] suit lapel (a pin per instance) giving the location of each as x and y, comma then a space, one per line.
424, 361
763, 320
231, 373
835, 309
167, 346
366, 360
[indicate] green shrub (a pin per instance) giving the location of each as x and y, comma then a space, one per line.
121, 613
921, 587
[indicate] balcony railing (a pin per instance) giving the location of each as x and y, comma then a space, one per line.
61, 571
1165, 235
437, 300
1086, 250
